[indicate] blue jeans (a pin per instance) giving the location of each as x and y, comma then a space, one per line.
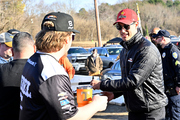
173, 108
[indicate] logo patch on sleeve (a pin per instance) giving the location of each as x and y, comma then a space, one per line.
64, 102
175, 55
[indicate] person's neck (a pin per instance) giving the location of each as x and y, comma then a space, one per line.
21, 56
166, 44
57, 55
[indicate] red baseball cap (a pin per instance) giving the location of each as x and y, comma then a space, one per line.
126, 16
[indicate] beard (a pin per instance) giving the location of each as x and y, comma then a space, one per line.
159, 47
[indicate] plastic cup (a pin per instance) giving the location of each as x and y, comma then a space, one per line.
84, 95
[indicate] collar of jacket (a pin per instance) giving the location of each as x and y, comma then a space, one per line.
169, 45
128, 44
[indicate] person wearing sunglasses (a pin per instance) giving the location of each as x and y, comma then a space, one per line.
45, 89
154, 32
171, 71
141, 81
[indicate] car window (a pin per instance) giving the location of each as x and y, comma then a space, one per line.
117, 66
114, 51
77, 50
100, 51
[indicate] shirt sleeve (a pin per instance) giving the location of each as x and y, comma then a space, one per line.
176, 64
58, 97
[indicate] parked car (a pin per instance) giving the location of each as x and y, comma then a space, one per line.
175, 40
112, 73
108, 55
113, 46
78, 56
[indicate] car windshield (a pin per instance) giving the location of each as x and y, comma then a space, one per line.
114, 51
99, 50
117, 66
77, 50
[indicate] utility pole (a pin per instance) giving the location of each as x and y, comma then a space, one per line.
97, 24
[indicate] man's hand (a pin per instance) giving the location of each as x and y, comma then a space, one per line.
110, 95
177, 90
95, 84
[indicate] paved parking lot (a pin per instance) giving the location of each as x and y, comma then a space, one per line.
112, 112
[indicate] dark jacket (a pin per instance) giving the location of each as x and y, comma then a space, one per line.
142, 79
171, 65
10, 79
92, 65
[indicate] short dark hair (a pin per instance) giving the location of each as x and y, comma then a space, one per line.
94, 50
21, 41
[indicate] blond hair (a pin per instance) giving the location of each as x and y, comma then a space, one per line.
50, 41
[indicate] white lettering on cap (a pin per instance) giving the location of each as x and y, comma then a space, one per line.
70, 25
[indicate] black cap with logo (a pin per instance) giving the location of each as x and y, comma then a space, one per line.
164, 33
62, 22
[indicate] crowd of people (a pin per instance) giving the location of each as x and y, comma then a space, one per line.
35, 74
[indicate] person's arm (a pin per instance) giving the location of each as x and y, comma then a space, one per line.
176, 66
59, 100
98, 103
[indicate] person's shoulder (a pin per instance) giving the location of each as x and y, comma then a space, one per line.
174, 47
5, 67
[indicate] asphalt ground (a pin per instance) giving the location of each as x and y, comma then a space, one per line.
112, 112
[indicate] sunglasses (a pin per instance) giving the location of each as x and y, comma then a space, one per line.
158, 37
152, 34
127, 27
73, 36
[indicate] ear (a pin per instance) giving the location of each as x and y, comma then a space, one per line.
163, 39
137, 23
68, 40
34, 48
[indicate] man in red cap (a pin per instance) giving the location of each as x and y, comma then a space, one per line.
141, 68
